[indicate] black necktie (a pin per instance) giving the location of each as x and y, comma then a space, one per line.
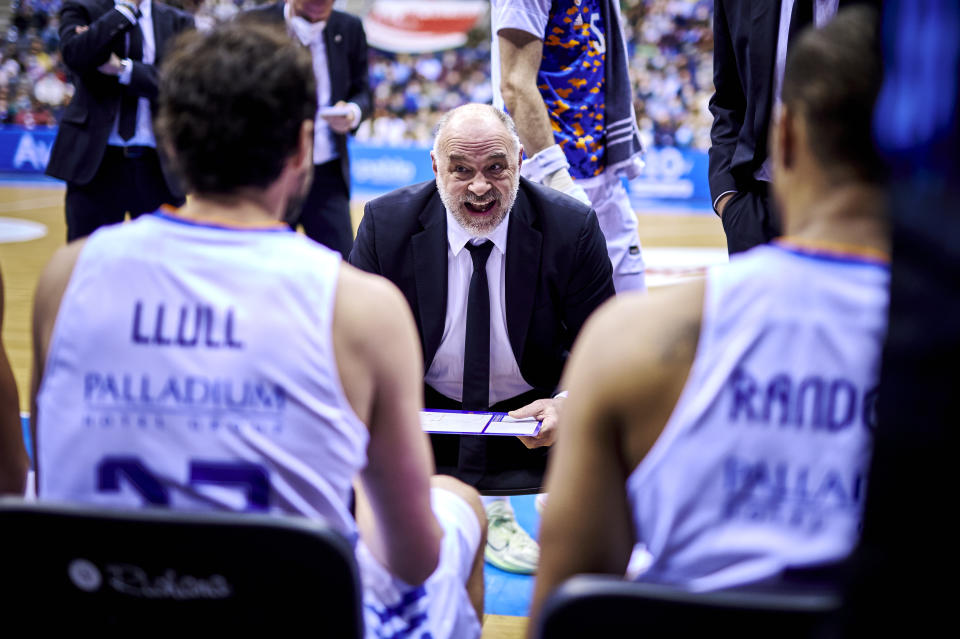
476, 348
127, 126
800, 18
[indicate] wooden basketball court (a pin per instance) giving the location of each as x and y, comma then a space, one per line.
682, 245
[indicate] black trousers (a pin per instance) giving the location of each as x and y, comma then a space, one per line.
750, 218
129, 179
325, 215
494, 465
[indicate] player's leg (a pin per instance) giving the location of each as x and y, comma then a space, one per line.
449, 604
618, 222
472, 498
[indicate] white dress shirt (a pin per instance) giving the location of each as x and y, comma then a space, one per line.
310, 34
446, 371
144, 132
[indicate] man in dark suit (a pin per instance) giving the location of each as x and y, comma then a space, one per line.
750, 48
338, 46
546, 269
105, 149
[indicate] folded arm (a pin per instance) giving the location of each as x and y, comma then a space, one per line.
85, 42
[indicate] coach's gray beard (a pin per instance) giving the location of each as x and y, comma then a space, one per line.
478, 228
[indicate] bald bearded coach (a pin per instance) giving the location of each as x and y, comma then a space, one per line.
501, 273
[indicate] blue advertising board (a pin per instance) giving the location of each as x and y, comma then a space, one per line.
25, 150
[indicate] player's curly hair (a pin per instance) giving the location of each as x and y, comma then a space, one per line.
231, 104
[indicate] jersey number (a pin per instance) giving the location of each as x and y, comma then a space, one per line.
601, 41
252, 479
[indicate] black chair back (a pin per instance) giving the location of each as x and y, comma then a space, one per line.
604, 606
73, 568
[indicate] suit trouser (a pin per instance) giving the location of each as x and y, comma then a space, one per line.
493, 464
325, 214
129, 179
750, 218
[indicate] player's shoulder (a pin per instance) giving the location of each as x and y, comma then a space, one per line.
371, 317
369, 302
56, 275
643, 339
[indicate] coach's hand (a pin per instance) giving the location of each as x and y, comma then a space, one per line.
341, 123
111, 66
546, 411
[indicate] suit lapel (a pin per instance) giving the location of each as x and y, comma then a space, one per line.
430, 275
524, 244
765, 25
159, 32
336, 59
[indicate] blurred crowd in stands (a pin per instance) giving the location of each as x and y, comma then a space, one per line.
670, 44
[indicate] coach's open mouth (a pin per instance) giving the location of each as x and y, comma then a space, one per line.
477, 207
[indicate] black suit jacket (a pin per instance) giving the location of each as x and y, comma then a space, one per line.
744, 50
346, 45
88, 119
557, 269
557, 273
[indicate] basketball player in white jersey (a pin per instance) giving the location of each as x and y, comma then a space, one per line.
228, 363
13, 456
732, 434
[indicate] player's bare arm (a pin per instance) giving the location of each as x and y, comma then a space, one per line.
13, 456
46, 304
379, 360
623, 385
520, 56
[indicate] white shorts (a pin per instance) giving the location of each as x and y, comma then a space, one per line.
619, 225
440, 608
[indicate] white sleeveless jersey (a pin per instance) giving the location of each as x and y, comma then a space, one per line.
192, 366
762, 464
